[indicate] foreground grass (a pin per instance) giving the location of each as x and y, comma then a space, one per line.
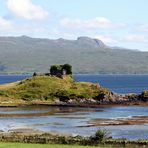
25, 145
99, 140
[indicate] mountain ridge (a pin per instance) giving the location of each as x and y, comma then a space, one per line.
25, 54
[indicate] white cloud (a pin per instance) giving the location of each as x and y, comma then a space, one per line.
4, 24
106, 39
94, 23
26, 9
143, 28
136, 38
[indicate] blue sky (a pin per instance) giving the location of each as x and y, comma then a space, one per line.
121, 23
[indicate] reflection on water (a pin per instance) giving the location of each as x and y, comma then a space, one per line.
72, 120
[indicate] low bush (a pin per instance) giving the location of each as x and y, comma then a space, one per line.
98, 137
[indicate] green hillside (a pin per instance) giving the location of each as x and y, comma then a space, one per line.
86, 55
50, 89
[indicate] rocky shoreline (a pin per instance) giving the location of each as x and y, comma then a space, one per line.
115, 100
110, 99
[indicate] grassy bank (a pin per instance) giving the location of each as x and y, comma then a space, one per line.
22, 145
49, 89
99, 139
26, 145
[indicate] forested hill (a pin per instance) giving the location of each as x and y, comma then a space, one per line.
86, 55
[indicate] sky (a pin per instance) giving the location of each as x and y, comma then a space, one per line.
122, 23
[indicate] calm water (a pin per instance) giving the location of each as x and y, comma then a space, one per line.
117, 83
75, 120
11, 78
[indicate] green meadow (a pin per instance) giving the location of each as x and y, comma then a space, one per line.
24, 145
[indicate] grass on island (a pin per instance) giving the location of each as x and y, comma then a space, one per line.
50, 88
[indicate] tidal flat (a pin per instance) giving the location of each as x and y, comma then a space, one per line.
120, 121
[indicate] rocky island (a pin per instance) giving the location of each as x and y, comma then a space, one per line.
59, 88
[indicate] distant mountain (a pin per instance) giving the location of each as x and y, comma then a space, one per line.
86, 55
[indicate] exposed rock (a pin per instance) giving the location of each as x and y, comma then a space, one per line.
144, 96
1, 131
120, 121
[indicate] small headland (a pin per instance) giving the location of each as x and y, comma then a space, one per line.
58, 88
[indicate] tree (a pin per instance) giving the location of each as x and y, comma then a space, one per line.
55, 68
34, 74
68, 68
